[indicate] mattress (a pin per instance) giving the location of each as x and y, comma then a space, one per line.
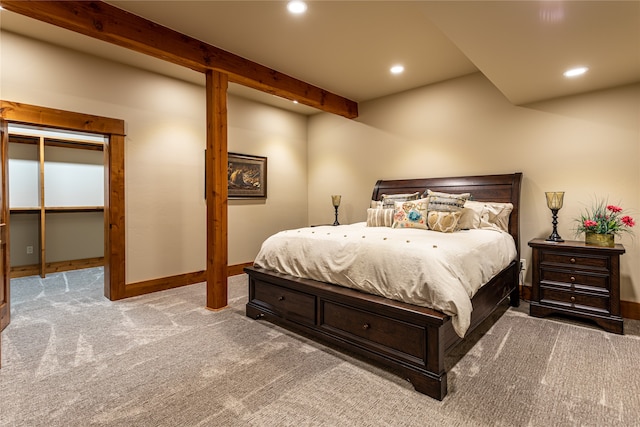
442, 271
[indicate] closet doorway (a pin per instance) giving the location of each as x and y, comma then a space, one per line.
56, 200
112, 133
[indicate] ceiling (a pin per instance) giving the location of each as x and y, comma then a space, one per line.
348, 47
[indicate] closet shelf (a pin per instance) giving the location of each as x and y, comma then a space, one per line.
24, 210
58, 209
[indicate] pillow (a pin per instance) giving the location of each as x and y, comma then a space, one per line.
376, 204
491, 215
388, 200
411, 214
471, 215
496, 215
446, 202
444, 222
380, 217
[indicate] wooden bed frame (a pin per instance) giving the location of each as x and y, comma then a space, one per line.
408, 339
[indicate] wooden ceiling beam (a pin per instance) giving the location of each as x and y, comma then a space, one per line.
108, 23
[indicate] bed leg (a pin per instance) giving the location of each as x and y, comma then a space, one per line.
435, 387
514, 297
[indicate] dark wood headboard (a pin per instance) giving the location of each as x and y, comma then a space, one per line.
483, 188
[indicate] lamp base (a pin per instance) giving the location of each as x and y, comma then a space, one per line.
336, 221
554, 237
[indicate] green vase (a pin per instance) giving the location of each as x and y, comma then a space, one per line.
595, 239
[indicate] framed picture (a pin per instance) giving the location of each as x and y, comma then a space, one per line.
246, 176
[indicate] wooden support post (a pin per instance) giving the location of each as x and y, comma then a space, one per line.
216, 189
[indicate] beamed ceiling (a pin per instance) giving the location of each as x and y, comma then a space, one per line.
347, 47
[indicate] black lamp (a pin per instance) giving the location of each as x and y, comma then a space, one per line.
335, 199
554, 202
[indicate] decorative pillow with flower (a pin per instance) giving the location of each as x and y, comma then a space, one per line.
411, 214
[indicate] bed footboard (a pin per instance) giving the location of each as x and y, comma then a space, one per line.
407, 339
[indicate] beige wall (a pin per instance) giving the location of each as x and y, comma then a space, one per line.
164, 153
587, 146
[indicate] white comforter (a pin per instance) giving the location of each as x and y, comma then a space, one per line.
437, 270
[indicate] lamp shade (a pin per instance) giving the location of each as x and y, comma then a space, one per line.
335, 199
554, 199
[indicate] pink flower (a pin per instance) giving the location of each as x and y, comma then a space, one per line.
590, 223
628, 221
614, 208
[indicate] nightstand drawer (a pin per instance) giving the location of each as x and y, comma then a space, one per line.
573, 299
575, 260
581, 279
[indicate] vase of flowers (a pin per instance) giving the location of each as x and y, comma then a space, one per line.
602, 223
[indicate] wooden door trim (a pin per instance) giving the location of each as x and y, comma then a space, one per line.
114, 220
5, 300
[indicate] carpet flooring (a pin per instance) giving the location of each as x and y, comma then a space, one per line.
73, 358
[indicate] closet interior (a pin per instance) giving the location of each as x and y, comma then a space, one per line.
56, 200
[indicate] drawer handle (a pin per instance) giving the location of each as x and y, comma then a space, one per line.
281, 298
573, 260
573, 299
573, 279
366, 326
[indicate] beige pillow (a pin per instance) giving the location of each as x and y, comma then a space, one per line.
380, 217
491, 215
446, 202
471, 215
376, 204
496, 215
445, 222
411, 214
389, 200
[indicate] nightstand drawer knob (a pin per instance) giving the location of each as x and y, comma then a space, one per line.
573, 260
573, 279
281, 298
573, 299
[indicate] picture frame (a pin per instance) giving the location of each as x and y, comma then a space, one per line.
246, 176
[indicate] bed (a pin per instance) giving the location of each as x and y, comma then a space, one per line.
408, 339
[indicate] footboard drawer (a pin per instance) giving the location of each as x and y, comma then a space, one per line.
285, 302
381, 334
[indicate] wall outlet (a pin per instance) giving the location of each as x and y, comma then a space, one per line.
523, 264
29, 250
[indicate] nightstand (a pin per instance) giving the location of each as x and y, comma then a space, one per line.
576, 279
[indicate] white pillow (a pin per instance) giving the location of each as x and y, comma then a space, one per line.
489, 215
497, 214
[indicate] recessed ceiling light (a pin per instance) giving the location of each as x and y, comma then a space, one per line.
575, 72
397, 69
297, 7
